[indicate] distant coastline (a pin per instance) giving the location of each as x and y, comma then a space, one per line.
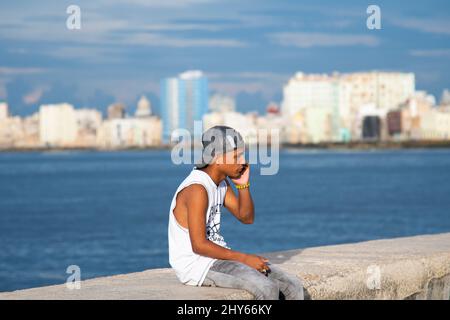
356, 145
365, 145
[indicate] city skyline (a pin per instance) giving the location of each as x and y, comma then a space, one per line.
131, 108
247, 50
316, 108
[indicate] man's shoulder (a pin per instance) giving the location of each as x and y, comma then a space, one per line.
196, 187
194, 192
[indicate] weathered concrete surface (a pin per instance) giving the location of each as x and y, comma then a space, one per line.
409, 268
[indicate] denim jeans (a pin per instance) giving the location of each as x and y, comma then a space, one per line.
233, 274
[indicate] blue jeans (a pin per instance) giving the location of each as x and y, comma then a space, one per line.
233, 274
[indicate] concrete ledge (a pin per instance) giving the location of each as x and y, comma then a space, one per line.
408, 268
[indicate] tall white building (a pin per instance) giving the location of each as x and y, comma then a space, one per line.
57, 125
309, 90
387, 90
318, 126
305, 92
184, 100
3, 110
344, 95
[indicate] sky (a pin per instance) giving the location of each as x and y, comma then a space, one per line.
247, 49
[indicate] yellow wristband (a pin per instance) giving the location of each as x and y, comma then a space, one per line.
242, 186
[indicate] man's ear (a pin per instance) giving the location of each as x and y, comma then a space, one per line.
218, 159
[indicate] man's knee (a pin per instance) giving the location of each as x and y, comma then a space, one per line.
267, 290
295, 281
295, 288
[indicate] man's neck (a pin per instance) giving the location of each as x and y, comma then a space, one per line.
216, 176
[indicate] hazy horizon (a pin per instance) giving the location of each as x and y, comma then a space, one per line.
247, 49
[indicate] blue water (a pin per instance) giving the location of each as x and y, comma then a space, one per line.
107, 212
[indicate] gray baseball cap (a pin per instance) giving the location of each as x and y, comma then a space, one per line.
219, 140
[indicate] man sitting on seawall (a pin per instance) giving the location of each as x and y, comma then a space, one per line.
197, 251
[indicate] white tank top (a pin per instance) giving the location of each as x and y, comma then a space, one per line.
191, 268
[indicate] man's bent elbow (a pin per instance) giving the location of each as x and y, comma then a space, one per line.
198, 248
248, 220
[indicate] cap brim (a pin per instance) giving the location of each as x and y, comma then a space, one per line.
201, 165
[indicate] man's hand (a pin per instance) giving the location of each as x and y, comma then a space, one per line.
241, 206
244, 177
256, 262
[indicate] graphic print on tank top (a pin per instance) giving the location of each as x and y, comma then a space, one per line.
213, 226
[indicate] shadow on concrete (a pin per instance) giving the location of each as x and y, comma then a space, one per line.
280, 257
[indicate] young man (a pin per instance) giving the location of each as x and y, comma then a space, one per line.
197, 250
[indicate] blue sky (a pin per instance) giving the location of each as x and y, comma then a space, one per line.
248, 49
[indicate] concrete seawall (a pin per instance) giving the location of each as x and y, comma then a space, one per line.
402, 268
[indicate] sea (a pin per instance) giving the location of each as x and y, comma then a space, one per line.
107, 212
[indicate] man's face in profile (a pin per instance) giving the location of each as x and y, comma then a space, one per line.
232, 163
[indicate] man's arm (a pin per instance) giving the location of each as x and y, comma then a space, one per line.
197, 205
240, 206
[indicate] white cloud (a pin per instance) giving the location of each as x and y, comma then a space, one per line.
431, 53
318, 39
160, 40
259, 76
182, 27
233, 88
16, 71
97, 29
159, 3
92, 54
436, 26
